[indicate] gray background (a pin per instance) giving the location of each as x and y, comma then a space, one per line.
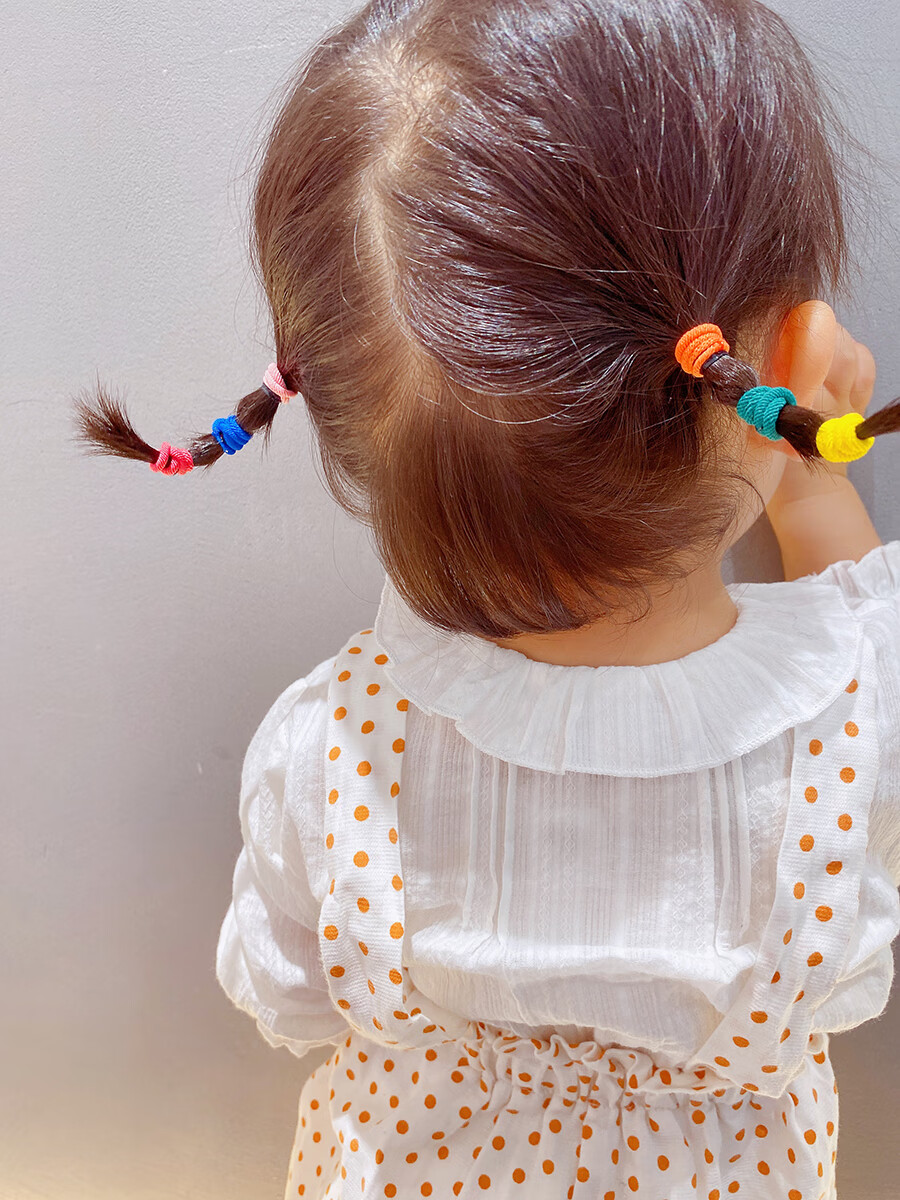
148, 623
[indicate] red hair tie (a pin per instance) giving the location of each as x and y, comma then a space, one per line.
697, 346
173, 461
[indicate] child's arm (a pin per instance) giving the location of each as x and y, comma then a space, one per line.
819, 522
821, 519
268, 960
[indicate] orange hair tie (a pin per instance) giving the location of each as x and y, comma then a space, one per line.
697, 346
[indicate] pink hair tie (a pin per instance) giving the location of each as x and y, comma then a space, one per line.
274, 383
173, 461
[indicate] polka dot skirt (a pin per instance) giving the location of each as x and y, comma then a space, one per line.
419, 1101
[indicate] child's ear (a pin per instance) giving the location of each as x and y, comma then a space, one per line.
802, 356
804, 351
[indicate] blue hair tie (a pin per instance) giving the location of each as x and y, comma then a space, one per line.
761, 407
230, 436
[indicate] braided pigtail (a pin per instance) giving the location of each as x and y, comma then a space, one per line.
105, 427
773, 411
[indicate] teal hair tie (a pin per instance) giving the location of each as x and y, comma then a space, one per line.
761, 407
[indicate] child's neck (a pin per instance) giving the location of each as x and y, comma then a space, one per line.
697, 612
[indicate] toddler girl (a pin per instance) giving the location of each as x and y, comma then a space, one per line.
579, 855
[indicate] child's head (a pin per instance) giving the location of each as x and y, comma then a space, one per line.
483, 226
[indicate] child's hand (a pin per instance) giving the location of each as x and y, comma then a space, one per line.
819, 518
848, 388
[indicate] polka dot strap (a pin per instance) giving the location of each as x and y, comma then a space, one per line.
362, 921
762, 1041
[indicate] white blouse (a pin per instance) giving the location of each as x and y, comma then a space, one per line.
586, 850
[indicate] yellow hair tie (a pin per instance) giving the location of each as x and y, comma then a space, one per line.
837, 441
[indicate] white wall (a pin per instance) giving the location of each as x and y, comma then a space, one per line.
148, 622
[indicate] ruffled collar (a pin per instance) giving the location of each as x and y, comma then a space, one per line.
791, 652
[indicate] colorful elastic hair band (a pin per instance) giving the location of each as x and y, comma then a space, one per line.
696, 347
838, 442
173, 461
274, 384
230, 435
836, 438
761, 407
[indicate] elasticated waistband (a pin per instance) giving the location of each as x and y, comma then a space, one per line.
588, 1071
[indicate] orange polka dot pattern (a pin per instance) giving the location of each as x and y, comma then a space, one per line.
417, 1101
362, 922
548, 1119
768, 1030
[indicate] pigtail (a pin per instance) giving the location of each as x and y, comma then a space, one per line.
731, 379
704, 353
104, 427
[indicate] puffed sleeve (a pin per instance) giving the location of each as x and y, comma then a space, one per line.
267, 959
875, 577
871, 588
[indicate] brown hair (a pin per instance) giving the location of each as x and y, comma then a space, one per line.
482, 226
